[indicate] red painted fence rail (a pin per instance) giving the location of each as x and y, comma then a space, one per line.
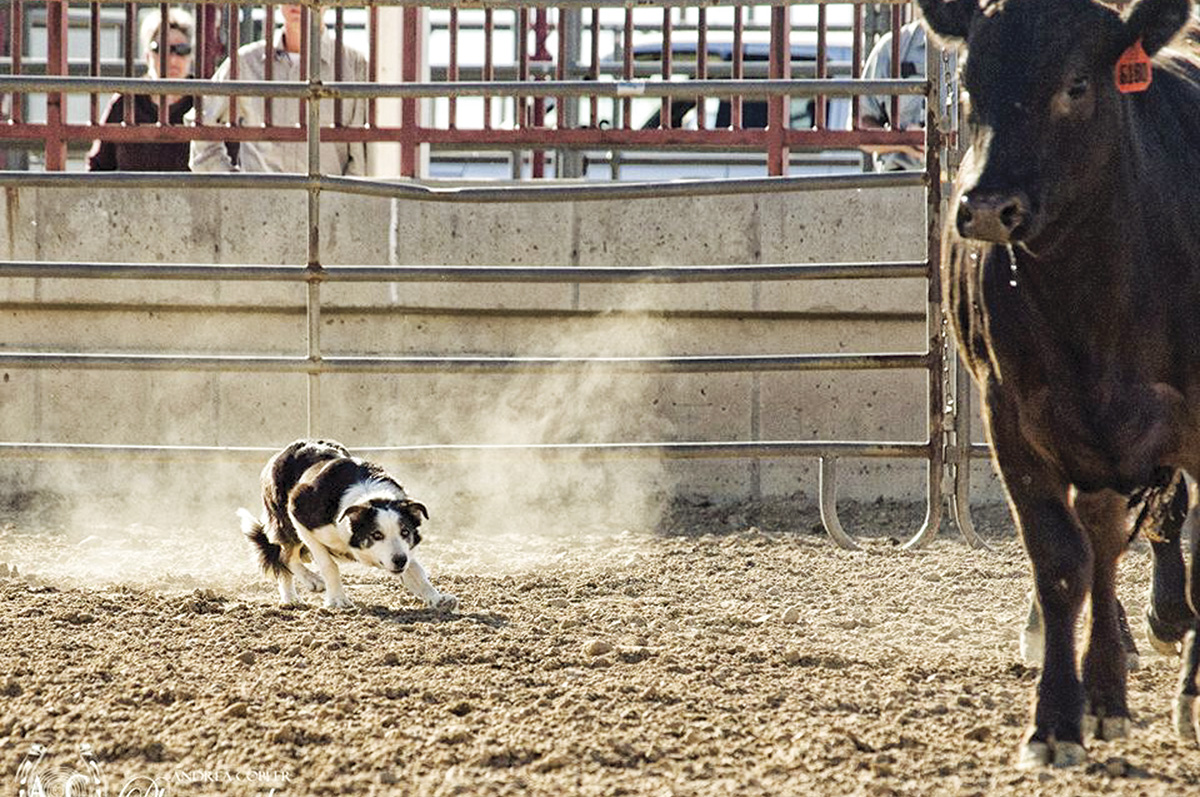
601, 64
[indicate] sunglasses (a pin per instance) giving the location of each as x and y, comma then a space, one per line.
183, 48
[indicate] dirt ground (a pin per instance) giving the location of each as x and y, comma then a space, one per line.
759, 659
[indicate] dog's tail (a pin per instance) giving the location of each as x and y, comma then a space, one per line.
270, 555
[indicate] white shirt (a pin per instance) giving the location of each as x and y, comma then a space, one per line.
273, 156
878, 66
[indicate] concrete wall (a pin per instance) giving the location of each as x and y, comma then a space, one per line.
393, 319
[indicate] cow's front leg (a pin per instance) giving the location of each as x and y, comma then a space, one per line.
1061, 561
1104, 667
1061, 557
1032, 644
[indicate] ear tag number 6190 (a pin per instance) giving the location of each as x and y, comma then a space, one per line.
1133, 70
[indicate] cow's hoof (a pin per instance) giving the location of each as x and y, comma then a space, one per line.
1184, 717
1108, 728
1113, 728
1033, 755
1165, 637
1069, 754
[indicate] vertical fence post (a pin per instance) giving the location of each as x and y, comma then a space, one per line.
410, 72
56, 64
569, 162
314, 219
6, 20
777, 107
541, 33
938, 425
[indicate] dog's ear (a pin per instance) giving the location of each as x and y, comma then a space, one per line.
354, 513
415, 510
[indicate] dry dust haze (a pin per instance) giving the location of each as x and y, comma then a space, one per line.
172, 525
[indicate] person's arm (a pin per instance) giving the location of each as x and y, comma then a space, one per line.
212, 156
873, 108
877, 110
356, 160
103, 155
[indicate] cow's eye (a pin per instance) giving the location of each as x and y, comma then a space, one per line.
1079, 87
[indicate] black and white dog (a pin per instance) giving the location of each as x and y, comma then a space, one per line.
316, 496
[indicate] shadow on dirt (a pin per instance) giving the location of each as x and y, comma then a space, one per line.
431, 616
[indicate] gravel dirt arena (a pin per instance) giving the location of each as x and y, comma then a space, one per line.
728, 651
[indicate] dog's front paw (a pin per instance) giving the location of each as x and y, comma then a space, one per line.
338, 602
311, 580
444, 603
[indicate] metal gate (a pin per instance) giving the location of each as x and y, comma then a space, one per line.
946, 448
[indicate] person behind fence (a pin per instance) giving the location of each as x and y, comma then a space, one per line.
275, 156
166, 156
877, 110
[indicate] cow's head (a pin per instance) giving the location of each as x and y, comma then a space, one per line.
1043, 104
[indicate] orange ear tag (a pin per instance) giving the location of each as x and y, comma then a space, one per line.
1133, 70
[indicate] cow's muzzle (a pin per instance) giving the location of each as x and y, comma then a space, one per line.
995, 217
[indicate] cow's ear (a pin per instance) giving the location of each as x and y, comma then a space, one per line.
949, 19
1156, 22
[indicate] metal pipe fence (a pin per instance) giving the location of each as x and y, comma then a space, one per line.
938, 449
579, 83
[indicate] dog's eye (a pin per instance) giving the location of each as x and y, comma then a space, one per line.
377, 535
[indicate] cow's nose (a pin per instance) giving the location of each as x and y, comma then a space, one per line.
991, 217
399, 561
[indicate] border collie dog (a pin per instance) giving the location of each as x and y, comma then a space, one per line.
319, 500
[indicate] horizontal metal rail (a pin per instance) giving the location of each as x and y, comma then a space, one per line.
583, 451
656, 139
442, 365
469, 274
655, 89
115, 67
463, 194
498, 4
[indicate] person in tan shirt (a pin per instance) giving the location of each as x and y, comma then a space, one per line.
271, 156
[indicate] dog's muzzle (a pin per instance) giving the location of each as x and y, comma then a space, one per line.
399, 562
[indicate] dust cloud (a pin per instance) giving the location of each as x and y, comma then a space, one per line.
502, 508
171, 524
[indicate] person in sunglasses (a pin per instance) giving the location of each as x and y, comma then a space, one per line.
151, 156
